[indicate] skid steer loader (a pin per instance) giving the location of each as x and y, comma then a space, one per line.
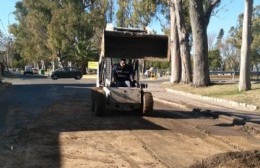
133, 44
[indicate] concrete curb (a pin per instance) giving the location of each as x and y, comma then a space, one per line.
212, 100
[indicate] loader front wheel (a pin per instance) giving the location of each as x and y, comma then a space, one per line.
99, 105
147, 104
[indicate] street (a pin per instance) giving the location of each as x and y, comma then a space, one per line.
49, 123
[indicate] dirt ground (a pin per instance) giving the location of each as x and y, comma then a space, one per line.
231, 160
67, 135
53, 126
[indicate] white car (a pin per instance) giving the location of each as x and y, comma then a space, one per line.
28, 70
35, 71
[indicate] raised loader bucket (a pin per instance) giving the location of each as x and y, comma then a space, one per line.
134, 45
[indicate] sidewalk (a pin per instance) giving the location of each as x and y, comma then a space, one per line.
236, 113
91, 76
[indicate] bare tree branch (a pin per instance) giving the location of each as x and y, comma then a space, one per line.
209, 10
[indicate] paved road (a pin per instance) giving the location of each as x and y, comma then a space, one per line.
32, 94
54, 127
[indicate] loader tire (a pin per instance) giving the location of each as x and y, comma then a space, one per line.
98, 104
93, 105
147, 104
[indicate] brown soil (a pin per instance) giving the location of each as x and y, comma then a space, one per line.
231, 160
68, 135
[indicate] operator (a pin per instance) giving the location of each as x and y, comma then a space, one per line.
123, 74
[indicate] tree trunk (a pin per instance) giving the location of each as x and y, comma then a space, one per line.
244, 77
257, 72
174, 48
183, 35
144, 66
199, 34
42, 65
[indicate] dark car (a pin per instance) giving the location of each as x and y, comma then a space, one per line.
67, 72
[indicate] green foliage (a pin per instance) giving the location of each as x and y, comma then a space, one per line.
235, 35
71, 30
219, 39
47, 30
255, 46
214, 59
158, 64
85, 51
18, 61
31, 31
111, 11
123, 13
144, 10
220, 34
135, 13
162, 14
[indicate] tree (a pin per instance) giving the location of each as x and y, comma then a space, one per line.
110, 11
85, 51
219, 39
98, 11
143, 11
62, 32
9, 52
200, 15
211, 40
179, 42
231, 56
135, 13
174, 48
255, 46
214, 60
124, 13
48, 30
18, 61
31, 31
183, 37
235, 37
244, 77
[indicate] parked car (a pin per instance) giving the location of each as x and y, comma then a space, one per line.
35, 71
28, 70
67, 72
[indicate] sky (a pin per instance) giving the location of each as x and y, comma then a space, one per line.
226, 17
6, 9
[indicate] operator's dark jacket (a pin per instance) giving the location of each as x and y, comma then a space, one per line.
122, 74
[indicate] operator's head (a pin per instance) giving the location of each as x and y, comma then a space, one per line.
123, 62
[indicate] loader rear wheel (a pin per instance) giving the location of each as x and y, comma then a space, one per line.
99, 104
147, 103
93, 105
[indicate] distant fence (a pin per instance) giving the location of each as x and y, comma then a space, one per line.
232, 74
156, 73
254, 73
